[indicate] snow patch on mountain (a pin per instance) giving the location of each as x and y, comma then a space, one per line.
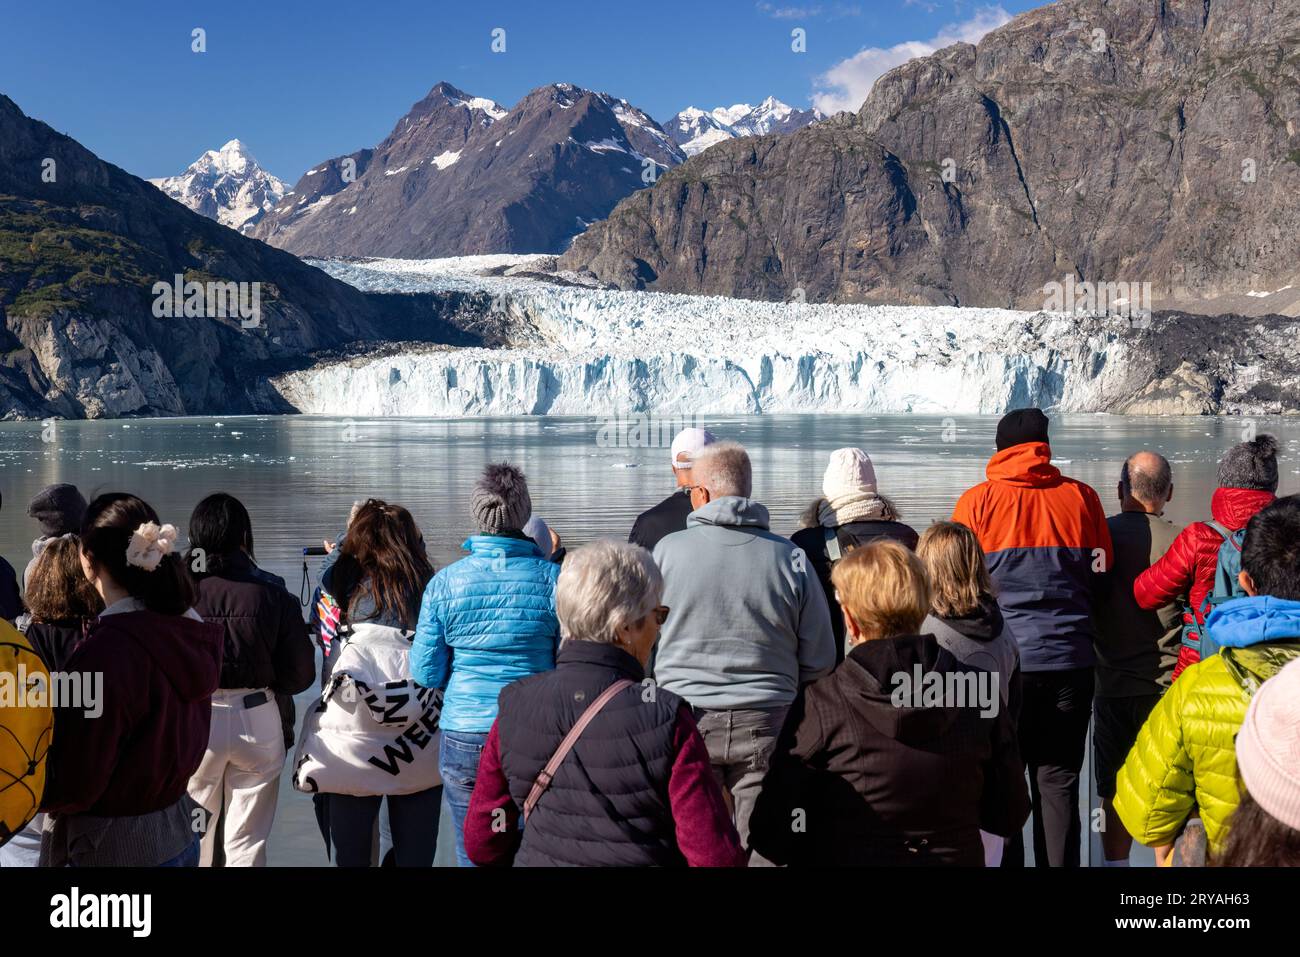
226, 185
595, 351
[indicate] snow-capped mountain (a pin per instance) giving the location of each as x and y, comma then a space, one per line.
460, 174
226, 185
695, 130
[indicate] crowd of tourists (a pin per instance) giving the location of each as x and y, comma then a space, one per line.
708, 693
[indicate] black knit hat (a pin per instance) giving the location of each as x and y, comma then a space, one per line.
59, 509
1021, 426
1250, 465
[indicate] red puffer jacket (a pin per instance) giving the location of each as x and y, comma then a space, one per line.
1187, 569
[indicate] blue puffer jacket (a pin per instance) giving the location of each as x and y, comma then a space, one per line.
486, 621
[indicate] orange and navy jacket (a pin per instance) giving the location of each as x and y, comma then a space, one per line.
1047, 544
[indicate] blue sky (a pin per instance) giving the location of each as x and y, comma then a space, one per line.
299, 82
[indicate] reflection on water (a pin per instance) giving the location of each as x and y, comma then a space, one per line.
299, 476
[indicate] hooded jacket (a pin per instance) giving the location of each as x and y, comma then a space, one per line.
1188, 567
485, 621
748, 622
1046, 541
1185, 755
881, 781
158, 675
373, 730
981, 640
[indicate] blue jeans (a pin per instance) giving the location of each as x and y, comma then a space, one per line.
458, 763
186, 858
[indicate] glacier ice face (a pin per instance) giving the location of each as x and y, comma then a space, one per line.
603, 352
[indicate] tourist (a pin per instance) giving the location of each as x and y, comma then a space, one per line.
372, 738
1184, 761
749, 626
850, 513
58, 510
1248, 480
485, 622
636, 787
1136, 649
670, 515
874, 766
116, 790
61, 604
267, 653
1048, 546
1264, 831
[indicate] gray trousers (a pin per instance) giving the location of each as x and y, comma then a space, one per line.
740, 745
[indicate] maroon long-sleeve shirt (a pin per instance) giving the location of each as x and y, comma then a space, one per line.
701, 821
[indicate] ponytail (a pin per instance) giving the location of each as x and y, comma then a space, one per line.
111, 521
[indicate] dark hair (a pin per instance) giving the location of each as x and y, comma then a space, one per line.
383, 560
220, 526
1271, 551
1258, 839
58, 589
111, 520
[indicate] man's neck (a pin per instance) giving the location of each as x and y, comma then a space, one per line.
1133, 505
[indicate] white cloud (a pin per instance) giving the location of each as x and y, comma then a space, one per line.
845, 85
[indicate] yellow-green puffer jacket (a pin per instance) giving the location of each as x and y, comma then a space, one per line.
1185, 756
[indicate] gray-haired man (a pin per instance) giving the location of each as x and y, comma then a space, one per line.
749, 623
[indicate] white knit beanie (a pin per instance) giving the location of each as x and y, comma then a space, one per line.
849, 475
1268, 746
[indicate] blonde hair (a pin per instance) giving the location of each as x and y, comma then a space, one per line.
959, 575
883, 588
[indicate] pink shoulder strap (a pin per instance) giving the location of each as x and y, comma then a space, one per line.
548, 773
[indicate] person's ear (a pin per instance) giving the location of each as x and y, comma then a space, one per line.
1247, 583
1170, 497
699, 496
1119, 491
851, 627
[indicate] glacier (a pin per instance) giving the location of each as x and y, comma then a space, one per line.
581, 350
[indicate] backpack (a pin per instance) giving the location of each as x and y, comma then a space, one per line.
26, 729
1227, 584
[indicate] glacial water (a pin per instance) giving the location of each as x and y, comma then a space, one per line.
298, 475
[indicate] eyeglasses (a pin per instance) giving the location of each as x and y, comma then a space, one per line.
661, 614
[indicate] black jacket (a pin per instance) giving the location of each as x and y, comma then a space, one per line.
872, 782
665, 518
266, 641
609, 802
55, 640
851, 535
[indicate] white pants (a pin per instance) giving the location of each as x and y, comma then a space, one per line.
240, 777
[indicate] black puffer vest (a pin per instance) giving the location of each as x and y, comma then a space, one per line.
608, 804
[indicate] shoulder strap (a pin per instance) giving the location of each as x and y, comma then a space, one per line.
1223, 531
833, 551
548, 773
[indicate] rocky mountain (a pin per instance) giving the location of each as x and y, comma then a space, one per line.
88, 257
1107, 141
226, 185
695, 130
460, 175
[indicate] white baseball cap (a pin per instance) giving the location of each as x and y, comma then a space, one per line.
690, 442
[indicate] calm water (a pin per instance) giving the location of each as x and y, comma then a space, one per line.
299, 476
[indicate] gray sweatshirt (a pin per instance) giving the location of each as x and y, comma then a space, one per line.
749, 621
